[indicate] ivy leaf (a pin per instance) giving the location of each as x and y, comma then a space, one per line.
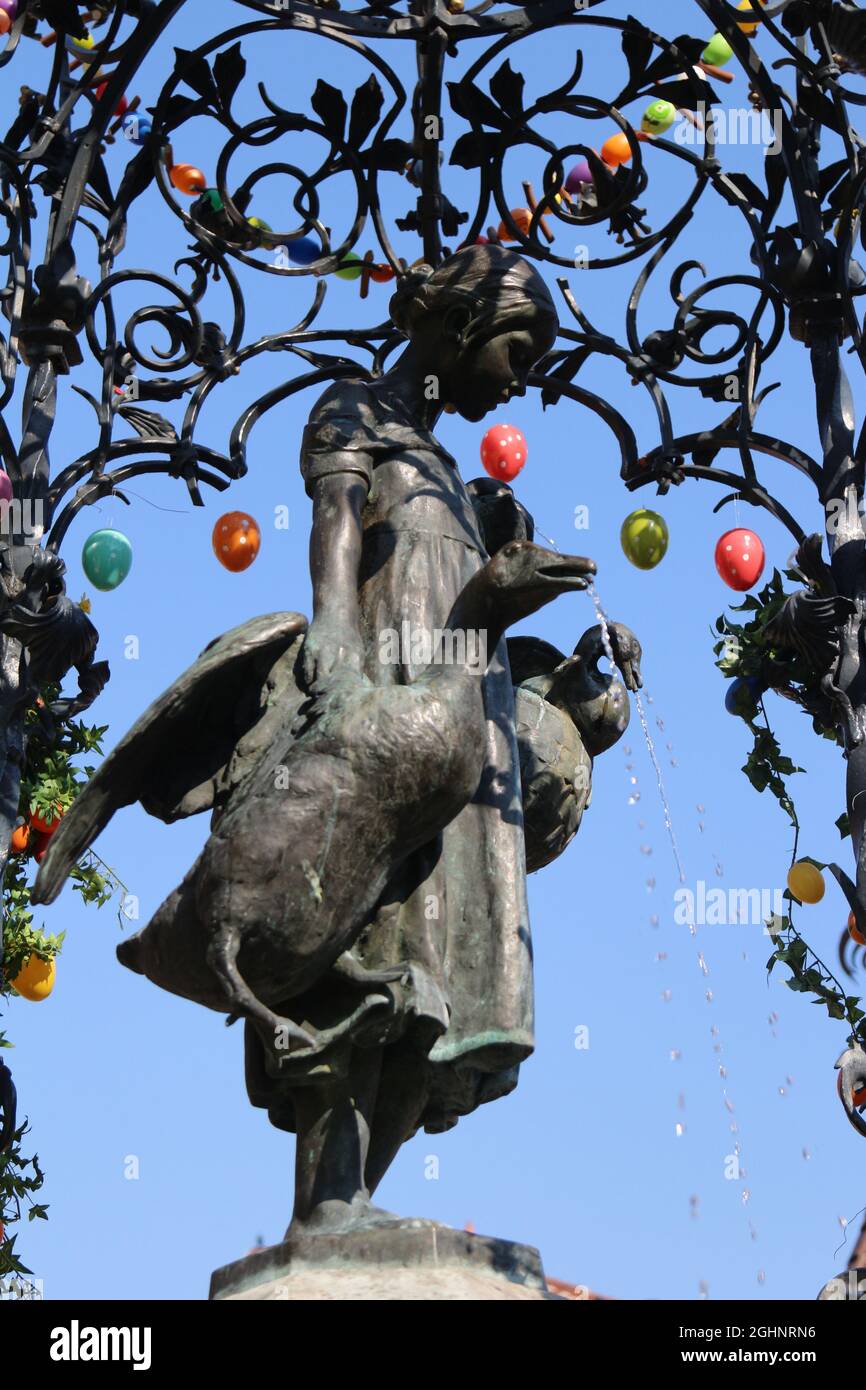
366, 109
843, 825
474, 105
390, 155
474, 149
506, 87
229, 70
196, 73
330, 106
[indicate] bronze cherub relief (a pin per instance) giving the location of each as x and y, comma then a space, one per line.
361, 899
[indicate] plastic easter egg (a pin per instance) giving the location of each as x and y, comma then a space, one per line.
350, 267
858, 1097
743, 696
5, 22
81, 47
236, 541
579, 175
136, 128
9, 7
304, 250
740, 559
751, 28
522, 218
381, 274
187, 178
259, 225
806, 882
658, 117
123, 104
644, 538
35, 979
5, 487
854, 931
617, 150
107, 559
503, 452
213, 198
717, 52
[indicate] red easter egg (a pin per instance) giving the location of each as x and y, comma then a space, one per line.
122, 106
740, 559
236, 540
503, 452
858, 1097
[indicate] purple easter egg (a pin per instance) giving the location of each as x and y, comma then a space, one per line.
578, 175
10, 6
5, 487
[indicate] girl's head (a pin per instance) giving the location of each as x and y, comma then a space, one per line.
480, 323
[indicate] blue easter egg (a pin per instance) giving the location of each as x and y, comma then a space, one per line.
136, 128
743, 696
304, 250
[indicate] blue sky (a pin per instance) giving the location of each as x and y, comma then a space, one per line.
584, 1160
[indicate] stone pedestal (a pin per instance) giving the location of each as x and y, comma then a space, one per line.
412, 1260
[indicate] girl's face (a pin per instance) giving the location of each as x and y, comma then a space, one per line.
489, 373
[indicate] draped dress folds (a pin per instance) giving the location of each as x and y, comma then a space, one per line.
456, 915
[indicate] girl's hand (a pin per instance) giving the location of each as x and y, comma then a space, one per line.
333, 643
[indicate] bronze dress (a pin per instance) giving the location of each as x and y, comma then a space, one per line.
457, 915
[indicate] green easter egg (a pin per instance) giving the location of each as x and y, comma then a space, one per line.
350, 267
644, 538
259, 224
658, 117
107, 559
718, 51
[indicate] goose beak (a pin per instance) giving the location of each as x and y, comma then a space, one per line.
631, 674
569, 573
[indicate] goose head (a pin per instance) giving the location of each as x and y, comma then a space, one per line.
598, 703
520, 579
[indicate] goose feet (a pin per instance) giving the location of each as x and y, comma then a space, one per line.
349, 968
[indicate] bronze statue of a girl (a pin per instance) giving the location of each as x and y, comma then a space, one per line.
367, 916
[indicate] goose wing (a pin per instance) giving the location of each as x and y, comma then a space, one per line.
171, 757
529, 657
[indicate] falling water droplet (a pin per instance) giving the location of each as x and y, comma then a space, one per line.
674, 1055
650, 884
654, 921
667, 995
704, 1289
646, 849
679, 1130
807, 1154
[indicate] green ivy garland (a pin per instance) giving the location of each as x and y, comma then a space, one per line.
743, 651
52, 777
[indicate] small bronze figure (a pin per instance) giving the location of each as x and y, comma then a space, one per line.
361, 901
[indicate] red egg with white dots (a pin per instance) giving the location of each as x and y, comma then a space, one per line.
740, 558
503, 452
